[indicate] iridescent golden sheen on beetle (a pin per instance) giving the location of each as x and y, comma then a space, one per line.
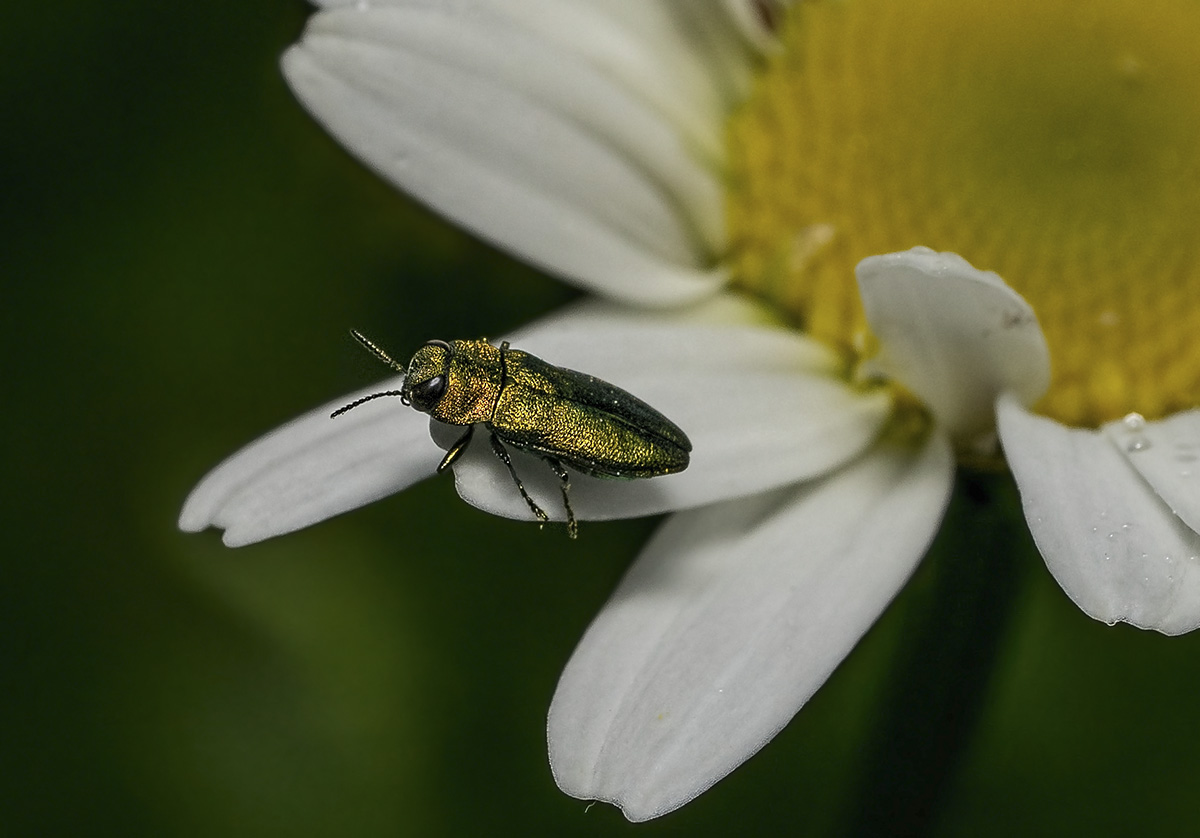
567, 418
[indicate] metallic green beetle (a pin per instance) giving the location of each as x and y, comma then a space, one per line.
563, 416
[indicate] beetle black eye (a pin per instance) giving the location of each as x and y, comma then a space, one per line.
428, 393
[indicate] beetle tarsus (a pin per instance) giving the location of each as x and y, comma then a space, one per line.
502, 453
456, 450
556, 467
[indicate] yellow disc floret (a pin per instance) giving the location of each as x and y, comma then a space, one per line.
1055, 142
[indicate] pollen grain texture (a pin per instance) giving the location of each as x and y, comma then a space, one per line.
1052, 141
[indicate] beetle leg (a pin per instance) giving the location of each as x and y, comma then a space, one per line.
456, 450
556, 467
502, 453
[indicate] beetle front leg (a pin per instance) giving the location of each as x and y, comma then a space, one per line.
502, 453
456, 450
556, 467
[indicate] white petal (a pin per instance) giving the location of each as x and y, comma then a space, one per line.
730, 621
1167, 454
1110, 541
763, 407
689, 61
954, 335
721, 36
313, 468
680, 57
757, 20
503, 122
589, 331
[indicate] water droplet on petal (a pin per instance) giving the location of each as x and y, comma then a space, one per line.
1134, 421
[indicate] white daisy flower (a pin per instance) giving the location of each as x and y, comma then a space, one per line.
655, 151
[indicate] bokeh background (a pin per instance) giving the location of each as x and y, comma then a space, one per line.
182, 252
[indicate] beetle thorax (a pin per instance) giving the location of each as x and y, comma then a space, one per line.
474, 384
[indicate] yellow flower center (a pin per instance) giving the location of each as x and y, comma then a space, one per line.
1056, 142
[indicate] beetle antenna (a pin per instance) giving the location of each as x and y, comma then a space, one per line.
363, 400
375, 350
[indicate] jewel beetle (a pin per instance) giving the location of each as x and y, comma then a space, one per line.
565, 417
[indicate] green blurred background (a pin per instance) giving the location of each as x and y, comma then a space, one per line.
183, 250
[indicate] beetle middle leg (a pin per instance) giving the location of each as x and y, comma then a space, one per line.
556, 467
456, 450
502, 453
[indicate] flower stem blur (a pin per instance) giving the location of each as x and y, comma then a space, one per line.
929, 705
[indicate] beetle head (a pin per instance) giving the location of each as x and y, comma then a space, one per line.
428, 376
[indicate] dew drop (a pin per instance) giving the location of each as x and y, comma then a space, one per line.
1134, 421
1139, 443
